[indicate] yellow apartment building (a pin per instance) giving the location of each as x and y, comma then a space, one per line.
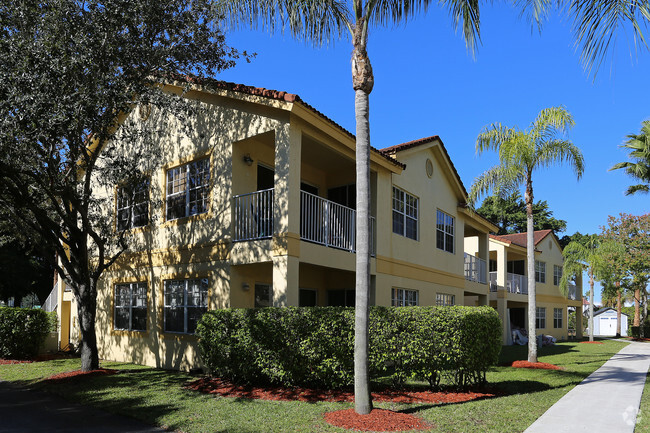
253, 205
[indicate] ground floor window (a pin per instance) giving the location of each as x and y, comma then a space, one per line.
307, 298
263, 295
540, 319
557, 317
445, 299
185, 302
404, 297
131, 306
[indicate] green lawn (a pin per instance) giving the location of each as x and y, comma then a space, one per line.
157, 396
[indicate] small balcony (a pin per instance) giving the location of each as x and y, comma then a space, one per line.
573, 293
321, 221
475, 269
515, 284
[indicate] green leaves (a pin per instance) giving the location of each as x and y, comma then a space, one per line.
639, 168
22, 331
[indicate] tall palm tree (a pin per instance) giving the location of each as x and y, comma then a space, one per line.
318, 21
521, 152
639, 168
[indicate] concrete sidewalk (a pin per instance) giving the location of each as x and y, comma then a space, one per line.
606, 401
26, 411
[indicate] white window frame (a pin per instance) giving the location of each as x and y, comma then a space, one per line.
178, 182
442, 229
558, 318
204, 285
406, 206
540, 318
133, 298
540, 272
557, 275
445, 299
129, 200
404, 297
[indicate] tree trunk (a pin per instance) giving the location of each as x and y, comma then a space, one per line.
362, 79
637, 300
87, 309
530, 253
618, 309
591, 304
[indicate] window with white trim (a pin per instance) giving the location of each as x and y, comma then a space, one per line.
557, 317
185, 302
187, 189
540, 272
133, 205
263, 295
130, 307
405, 214
557, 275
540, 318
445, 299
404, 297
445, 231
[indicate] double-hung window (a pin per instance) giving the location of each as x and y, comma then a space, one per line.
405, 214
557, 275
187, 189
133, 205
130, 307
557, 318
185, 302
540, 318
445, 232
445, 299
404, 297
540, 272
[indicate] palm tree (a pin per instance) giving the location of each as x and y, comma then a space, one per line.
521, 152
579, 257
639, 148
319, 21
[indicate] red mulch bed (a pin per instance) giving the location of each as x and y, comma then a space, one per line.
39, 358
377, 420
535, 365
13, 361
591, 342
225, 388
69, 375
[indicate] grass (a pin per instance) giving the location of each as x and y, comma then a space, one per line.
157, 396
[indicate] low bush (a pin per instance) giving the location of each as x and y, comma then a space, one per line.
315, 346
635, 331
22, 332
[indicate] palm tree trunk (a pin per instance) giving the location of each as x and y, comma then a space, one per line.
618, 309
530, 253
362, 79
591, 304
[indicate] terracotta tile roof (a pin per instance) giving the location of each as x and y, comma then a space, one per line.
420, 142
211, 83
520, 238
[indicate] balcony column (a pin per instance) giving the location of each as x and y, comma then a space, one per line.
286, 215
502, 267
578, 323
484, 253
502, 309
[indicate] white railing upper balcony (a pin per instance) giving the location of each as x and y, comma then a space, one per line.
331, 224
516, 283
253, 215
52, 300
475, 269
573, 292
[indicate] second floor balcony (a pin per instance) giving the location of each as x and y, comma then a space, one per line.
475, 269
515, 283
321, 221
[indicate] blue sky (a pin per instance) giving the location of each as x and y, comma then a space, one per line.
427, 83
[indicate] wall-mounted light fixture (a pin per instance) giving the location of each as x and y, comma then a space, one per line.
245, 286
248, 160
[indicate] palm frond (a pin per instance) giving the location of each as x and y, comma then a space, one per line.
550, 122
563, 152
633, 189
502, 180
597, 21
315, 21
492, 137
535, 11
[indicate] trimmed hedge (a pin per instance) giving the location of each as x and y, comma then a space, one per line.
22, 332
635, 331
315, 346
